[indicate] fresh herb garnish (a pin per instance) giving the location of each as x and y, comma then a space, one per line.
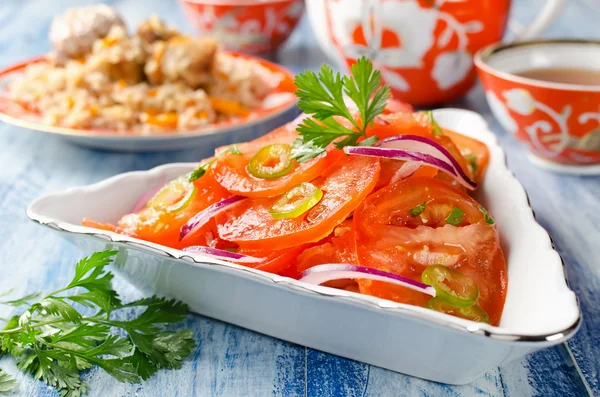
486, 216
322, 96
456, 217
437, 130
201, 170
54, 341
472, 160
418, 210
7, 382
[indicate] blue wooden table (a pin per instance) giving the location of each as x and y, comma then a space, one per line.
231, 361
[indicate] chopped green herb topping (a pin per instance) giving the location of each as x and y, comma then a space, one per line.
200, 171
437, 130
472, 160
486, 216
418, 210
456, 217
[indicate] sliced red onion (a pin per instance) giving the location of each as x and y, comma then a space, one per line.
142, 201
415, 148
200, 219
322, 273
222, 254
407, 169
424, 145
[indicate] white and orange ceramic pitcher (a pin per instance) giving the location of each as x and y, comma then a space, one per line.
422, 47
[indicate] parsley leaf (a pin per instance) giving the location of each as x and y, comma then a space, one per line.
456, 217
472, 160
437, 130
201, 170
323, 96
418, 210
53, 341
7, 382
21, 301
486, 216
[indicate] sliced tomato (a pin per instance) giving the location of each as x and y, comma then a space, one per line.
344, 186
390, 238
475, 153
162, 227
99, 225
401, 123
275, 261
397, 106
339, 247
231, 170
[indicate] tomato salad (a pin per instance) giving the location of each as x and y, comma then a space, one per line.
380, 207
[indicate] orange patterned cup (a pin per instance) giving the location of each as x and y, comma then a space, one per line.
560, 122
250, 26
422, 47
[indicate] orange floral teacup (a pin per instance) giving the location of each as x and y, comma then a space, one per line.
560, 121
250, 26
422, 47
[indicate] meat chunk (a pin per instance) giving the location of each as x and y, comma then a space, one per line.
184, 59
154, 30
73, 33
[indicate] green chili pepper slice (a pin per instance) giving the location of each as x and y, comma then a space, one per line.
451, 286
473, 313
296, 201
272, 161
174, 196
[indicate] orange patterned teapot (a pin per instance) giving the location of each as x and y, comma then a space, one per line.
423, 48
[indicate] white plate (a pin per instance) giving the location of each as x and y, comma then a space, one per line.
540, 308
281, 109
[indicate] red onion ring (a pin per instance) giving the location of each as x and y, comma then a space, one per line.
222, 254
200, 219
322, 273
427, 146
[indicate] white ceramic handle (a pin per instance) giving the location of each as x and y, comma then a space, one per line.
549, 13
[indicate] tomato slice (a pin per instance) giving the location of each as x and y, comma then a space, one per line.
275, 261
231, 170
344, 186
99, 225
408, 226
475, 153
161, 226
339, 247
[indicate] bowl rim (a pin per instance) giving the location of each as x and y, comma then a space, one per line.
110, 134
482, 56
451, 323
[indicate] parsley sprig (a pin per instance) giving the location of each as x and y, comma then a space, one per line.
7, 382
54, 341
323, 96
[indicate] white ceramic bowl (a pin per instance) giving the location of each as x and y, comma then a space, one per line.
540, 309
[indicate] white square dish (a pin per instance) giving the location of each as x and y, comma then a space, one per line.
540, 308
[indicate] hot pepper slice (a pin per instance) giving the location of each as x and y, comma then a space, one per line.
473, 313
451, 286
296, 201
272, 161
174, 196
